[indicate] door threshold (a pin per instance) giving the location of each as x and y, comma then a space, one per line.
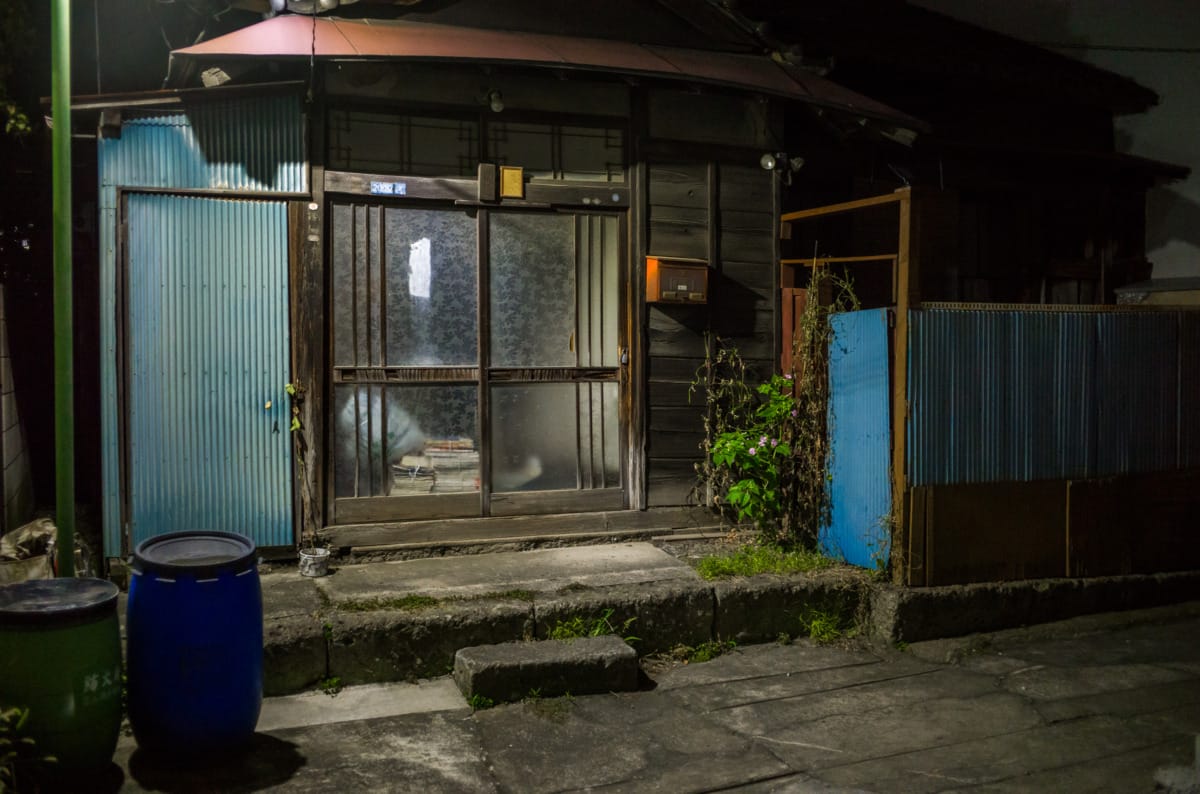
471, 535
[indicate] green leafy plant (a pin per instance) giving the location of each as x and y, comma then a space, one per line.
824, 625
330, 685
578, 626
19, 758
766, 448
301, 447
479, 702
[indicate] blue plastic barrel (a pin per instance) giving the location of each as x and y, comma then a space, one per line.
194, 641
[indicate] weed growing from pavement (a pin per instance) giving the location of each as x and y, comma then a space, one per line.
824, 626
478, 702
707, 651
578, 626
330, 686
755, 559
696, 654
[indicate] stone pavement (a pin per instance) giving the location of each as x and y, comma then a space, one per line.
1099, 703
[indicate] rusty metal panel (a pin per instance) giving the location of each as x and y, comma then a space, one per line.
1025, 395
246, 145
860, 487
208, 342
1189, 390
294, 36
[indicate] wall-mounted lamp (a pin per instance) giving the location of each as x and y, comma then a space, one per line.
495, 101
779, 161
772, 160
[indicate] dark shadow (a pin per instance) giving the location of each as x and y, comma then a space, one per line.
263, 763
107, 780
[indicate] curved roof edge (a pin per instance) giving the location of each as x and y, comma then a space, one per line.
293, 36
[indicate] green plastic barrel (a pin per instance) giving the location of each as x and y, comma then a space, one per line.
60, 657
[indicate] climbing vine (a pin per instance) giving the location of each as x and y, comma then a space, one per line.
766, 449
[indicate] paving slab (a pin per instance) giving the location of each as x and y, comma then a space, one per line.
541, 570
608, 743
368, 701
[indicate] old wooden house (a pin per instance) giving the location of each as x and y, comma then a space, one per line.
478, 246
485, 260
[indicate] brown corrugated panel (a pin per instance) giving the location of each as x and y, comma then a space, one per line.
1142, 523
989, 532
295, 36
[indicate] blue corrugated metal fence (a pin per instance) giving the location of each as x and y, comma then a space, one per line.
1018, 396
859, 439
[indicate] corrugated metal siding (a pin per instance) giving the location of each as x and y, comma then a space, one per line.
1189, 390
999, 396
252, 145
208, 341
860, 441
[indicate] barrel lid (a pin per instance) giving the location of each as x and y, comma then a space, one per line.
46, 602
198, 553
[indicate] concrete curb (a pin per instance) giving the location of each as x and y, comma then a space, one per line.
309, 639
899, 614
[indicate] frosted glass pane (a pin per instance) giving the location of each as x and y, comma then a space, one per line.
534, 440
598, 279
356, 285
432, 287
532, 290
405, 440
551, 436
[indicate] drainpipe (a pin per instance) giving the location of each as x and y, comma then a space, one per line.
64, 378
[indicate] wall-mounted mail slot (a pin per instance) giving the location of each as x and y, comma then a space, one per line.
675, 282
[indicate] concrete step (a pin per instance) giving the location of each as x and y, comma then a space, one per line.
513, 671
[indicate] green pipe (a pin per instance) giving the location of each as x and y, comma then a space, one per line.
64, 365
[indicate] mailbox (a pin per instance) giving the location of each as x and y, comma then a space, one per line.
675, 282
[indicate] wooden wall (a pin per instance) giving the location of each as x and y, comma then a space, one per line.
721, 211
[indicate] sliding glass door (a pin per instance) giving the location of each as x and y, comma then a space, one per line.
477, 362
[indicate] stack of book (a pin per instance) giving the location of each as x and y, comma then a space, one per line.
449, 465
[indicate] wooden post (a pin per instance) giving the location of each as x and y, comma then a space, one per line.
907, 280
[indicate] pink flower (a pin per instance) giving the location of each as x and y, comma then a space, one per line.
788, 376
753, 450
774, 442
795, 412
762, 440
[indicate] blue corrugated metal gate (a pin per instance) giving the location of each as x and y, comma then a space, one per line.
207, 331
859, 440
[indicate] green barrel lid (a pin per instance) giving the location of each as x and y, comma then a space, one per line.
52, 602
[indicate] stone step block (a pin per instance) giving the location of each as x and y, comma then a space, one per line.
546, 668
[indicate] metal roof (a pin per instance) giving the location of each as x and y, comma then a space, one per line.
293, 36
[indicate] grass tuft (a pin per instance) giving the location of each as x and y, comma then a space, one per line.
754, 560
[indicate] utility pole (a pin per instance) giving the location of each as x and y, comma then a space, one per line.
64, 337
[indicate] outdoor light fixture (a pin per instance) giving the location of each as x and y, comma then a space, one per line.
772, 160
495, 101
